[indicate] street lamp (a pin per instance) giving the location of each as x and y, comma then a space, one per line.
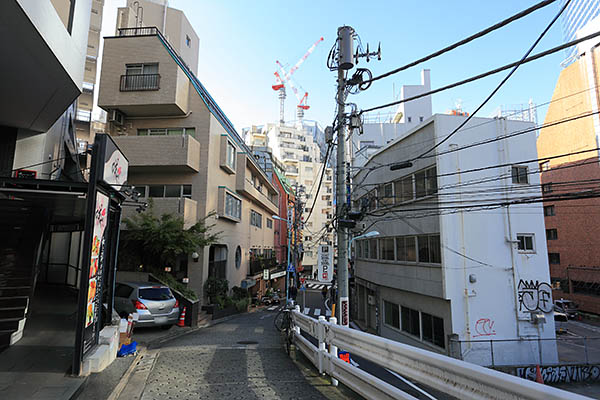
289, 240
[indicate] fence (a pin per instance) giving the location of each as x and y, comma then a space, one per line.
500, 353
454, 377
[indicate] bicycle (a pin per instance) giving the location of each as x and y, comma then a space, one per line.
283, 323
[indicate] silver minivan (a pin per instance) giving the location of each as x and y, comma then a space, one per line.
154, 303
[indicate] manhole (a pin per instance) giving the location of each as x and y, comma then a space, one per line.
247, 342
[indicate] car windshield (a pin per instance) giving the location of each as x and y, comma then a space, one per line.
158, 293
569, 305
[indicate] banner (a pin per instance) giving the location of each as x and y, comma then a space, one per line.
96, 271
325, 263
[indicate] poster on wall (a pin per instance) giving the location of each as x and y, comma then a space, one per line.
96, 270
325, 263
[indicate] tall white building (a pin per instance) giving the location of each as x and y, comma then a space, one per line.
301, 156
575, 16
451, 270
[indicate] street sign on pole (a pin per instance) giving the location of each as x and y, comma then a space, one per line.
325, 263
291, 268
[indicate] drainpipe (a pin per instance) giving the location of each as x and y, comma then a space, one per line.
164, 25
504, 159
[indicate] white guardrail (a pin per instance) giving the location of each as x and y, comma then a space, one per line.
448, 375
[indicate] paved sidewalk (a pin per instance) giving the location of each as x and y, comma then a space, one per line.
241, 358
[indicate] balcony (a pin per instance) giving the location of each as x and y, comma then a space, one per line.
245, 171
142, 82
183, 207
161, 92
257, 266
161, 153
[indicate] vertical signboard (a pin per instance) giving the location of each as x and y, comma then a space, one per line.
96, 271
325, 263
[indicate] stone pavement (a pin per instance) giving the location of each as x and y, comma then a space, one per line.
242, 358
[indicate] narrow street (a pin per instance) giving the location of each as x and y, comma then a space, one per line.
241, 358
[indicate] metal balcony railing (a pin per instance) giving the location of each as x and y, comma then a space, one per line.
131, 83
140, 31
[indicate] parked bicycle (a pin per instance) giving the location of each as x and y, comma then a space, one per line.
283, 324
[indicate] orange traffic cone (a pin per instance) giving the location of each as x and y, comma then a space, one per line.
538, 375
182, 318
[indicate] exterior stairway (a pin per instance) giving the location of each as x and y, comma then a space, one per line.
20, 234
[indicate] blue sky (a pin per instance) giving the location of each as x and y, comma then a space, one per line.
241, 40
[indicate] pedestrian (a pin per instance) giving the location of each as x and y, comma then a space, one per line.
324, 292
315, 275
293, 293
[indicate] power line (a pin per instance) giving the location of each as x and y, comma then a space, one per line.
488, 73
466, 40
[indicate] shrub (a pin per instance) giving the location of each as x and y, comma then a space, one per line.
240, 293
242, 304
215, 287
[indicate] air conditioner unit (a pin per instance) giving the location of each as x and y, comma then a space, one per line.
116, 117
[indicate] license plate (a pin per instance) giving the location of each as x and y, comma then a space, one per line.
160, 320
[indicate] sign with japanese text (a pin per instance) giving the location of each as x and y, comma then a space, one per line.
325, 263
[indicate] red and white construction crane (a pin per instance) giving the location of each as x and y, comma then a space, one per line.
285, 78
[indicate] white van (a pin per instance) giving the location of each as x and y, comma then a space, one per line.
561, 321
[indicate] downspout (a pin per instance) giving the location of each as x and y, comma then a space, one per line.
509, 239
164, 25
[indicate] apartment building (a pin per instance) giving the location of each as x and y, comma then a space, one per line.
572, 226
300, 156
184, 152
451, 267
85, 102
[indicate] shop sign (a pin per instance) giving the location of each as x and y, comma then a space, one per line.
278, 274
325, 263
96, 271
115, 169
265, 274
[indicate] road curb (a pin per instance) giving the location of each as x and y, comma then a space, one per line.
125, 378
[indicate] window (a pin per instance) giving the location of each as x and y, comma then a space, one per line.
386, 193
404, 189
433, 329
410, 321
308, 169
166, 131
409, 119
238, 257
545, 166
233, 206
255, 219
140, 190
188, 41
551, 234
187, 191
426, 182
122, 290
406, 248
373, 249
141, 69
429, 248
519, 175
554, 258
525, 243
172, 190
373, 199
359, 247
365, 248
269, 223
421, 119
548, 211
391, 314
156, 191
386, 247
547, 188
230, 155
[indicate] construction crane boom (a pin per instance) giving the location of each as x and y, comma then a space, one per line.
283, 78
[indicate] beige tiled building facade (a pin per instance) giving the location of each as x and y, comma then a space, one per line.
183, 151
295, 147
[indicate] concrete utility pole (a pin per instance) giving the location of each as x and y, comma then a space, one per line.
345, 62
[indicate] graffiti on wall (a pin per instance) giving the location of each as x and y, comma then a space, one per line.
535, 296
563, 373
484, 327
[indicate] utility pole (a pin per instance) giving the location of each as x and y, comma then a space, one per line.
345, 62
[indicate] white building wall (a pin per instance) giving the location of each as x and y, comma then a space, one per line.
484, 288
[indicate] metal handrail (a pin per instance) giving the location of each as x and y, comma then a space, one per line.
140, 82
454, 377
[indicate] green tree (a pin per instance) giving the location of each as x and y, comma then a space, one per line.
159, 241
